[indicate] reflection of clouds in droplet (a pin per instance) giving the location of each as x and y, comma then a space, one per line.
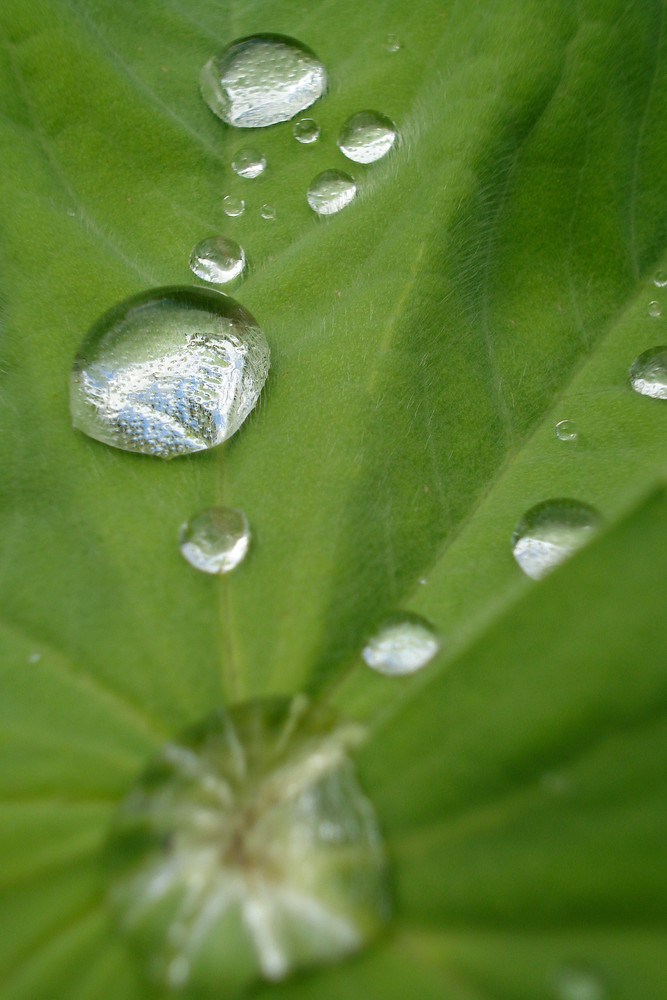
249, 163
648, 373
218, 259
550, 532
367, 136
216, 540
331, 191
402, 645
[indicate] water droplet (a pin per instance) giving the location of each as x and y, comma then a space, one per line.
648, 373
654, 309
249, 162
247, 849
392, 43
330, 191
578, 984
306, 130
566, 430
169, 372
556, 782
267, 212
218, 259
367, 137
550, 532
262, 80
402, 645
34, 657
660, 279
233, 206
216, 540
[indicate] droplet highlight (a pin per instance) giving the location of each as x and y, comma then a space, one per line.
578, 984
660, 279
306, 130
654, 309
219, 260
550, 533
262, 80
249, 163
402, 645
216, 540
648, 373
367, 137
267, 212
232, 206
169, 372
248, 850
331, 191
566, 430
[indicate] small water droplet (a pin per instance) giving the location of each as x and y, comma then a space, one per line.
654, 309
566, 430
392, 43
331, 191
248, 850
262, 80
216, 540
402, 645
306, 130
422, 580
267, 212
169, 372
34, 657
218, 259
660, 279
367, 137
550, 532
249, 162
71, 212
648, 373
233, 206
556, 782
578, 984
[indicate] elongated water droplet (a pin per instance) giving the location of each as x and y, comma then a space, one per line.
233, 206
578, 984
218, 259
648, 373
660, 279
331, 191
566, 430
367, 137
402, 645
249, 162
550, 532
262, 80
247, 850
168, 372
654, 309
306, 130
267, 212
216, 540
392, 43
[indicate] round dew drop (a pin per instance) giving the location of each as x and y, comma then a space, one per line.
566, 430
654, 309
648, 373
330, 192
550, 532
267, 212
261, 80
402, 645
218, 260
232, 206
247, 850
660, 279
392, 43
306, 131
169, 372
249, 163
367, 137
216, 540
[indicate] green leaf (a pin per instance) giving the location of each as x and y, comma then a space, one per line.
491, 278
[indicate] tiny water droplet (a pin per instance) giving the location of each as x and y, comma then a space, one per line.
367, 137
306, 130
262, 80
550, 532
654, 309
556, 782
402, 645
216, 540
660, 279
233, 206
169, 372
267, 212
392, 43
422, 580
249, 162
566, 430
34, 657
71, 212
248, 850
331, 191
648, 373
218, 259
578, 984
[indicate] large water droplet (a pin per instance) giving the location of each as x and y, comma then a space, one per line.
367, 137
306, 130
402, 645
648, 373
249, 162
262, 80
550, 532
247, 849
566, 430
233, 206
168, 372
572, 983
216, 540
654, 309
218, 259
330, 191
